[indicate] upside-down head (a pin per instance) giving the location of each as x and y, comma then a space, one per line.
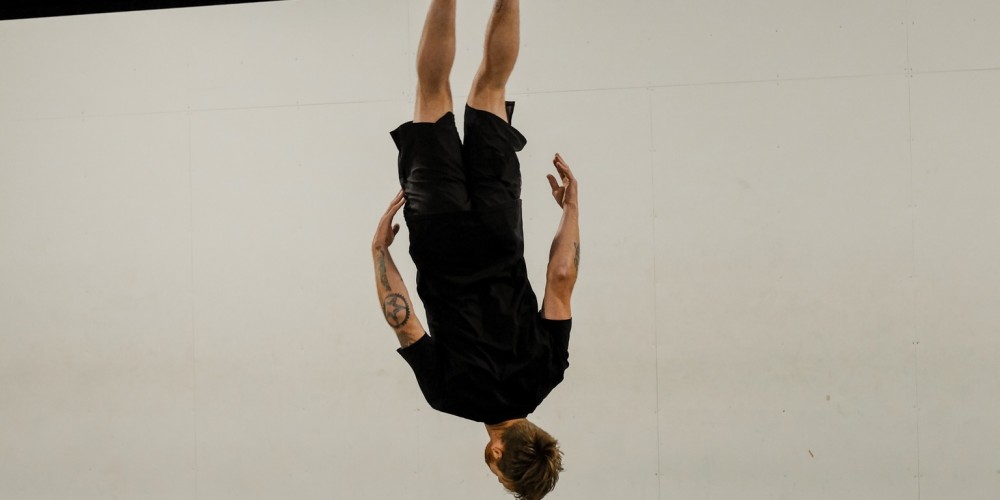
528, 462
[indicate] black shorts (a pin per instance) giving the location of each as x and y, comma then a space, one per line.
439, 174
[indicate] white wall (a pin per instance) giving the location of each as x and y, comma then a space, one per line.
789, 283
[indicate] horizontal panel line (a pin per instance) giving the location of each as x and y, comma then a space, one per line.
526, 93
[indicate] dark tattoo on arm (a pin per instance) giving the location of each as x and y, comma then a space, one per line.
396, 309
381, 272
576, 258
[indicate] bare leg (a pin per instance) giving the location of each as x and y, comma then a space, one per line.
435, 58
503, 41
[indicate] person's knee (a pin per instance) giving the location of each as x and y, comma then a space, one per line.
433, 102
487, 96
491, 78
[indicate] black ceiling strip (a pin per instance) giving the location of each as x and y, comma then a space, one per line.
23, 9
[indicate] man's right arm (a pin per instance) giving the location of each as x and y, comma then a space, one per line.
392, 294
564, 256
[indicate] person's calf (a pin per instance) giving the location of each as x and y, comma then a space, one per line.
435, 58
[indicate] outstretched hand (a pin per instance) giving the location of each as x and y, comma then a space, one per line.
386, 231
564, 193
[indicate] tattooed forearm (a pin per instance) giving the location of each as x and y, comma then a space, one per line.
576, 258
381, 272
396, 309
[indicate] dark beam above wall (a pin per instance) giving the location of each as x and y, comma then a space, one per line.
21, 9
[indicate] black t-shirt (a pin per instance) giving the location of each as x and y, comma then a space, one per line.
490, 356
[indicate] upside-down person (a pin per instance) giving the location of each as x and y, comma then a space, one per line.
492, 355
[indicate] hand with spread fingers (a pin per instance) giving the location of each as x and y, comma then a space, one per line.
564, 193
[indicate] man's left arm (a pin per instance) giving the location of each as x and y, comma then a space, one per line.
392, 293
564, 255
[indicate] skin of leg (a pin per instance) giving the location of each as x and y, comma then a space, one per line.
503, 41
435, 57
